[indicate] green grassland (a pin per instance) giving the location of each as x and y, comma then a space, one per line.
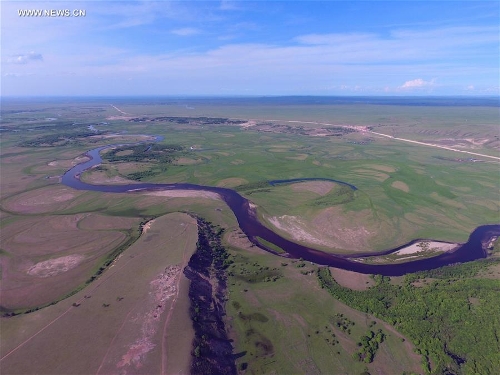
96, 329
280, 318
284, 323
439, 202
451, 314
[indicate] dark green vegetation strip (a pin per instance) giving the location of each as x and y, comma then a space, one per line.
189, 120
212, 350
253, 186
59, 139
160, 155
453, 320
144, 152
270, 245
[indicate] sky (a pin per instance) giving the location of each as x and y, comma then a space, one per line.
250, 48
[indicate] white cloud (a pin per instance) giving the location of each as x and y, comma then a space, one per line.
16, 75
186, 31
26, 58
417, 83
387, 61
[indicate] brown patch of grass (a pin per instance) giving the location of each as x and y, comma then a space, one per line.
95, 221
352, 280
187, 161
401, 186
100, 177
184, 194
298, 157
447, 201
116, 318
333, 228
383, 168
46, 199
422, 282
124, 153
232, 182
492, 272
318, 187
238, 239
379, 176
40, 267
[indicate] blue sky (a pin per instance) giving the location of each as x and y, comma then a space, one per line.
251, 48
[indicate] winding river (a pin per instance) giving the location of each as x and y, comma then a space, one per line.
250, 225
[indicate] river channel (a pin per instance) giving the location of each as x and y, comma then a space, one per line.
252, 227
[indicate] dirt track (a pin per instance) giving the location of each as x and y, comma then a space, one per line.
365, 130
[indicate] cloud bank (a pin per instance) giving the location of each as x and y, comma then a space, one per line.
26, 58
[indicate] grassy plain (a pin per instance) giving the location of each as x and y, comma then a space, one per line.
404, 191
284, 323
133, 318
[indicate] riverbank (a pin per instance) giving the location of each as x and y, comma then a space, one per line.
252, 227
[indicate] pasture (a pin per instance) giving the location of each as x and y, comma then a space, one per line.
133, 318
285, 323
93, 254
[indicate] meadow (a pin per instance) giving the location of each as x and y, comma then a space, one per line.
133, 318
58, 244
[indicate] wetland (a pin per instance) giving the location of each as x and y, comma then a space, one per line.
316, 204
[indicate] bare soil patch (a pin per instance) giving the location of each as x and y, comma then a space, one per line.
183, 194
468, 143
401, 186
161, 290
423, 246
248, 124
55, 266
49, 256
118, 324
239, 239
147, 226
